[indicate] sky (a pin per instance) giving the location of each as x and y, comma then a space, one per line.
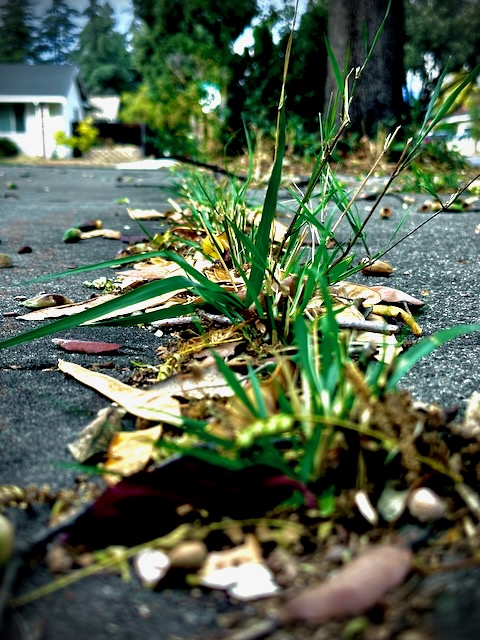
122, 9
124, 14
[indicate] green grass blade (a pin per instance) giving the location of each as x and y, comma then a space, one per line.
262, 238
409, 358
145, 292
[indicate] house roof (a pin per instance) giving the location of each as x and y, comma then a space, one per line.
29, 80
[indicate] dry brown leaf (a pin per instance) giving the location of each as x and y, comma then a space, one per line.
144, 214
377, 268
47, 300
96, 436
152, 404
129, 452
387, 294
110, 234
66, 310
355, 291
200, 383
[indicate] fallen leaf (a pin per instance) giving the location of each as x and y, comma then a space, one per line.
144, 214
126, 513
110, 234
397, 312
355, 291
129, 452
388, 294
66, 310
377, 268
153, 405
211, 247
46, 300
354, 589
86, 346
96, 436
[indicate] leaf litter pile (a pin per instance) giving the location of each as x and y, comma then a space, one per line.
249, 469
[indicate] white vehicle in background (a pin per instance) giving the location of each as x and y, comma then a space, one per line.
464, 142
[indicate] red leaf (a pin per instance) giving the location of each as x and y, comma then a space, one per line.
87, 346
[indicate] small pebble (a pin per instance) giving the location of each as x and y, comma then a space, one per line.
5, 261
425, 505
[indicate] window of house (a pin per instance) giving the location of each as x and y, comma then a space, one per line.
5, 118
19, 117
54, 109
12, 118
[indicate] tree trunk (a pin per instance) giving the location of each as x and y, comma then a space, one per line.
378, 98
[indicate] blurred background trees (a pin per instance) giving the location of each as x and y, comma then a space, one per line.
181, 68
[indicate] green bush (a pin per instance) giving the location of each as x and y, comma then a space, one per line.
8, 149
83, 139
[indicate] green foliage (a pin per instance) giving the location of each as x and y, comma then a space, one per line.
83, 139
102, 53
8, 149
441, 34
16, 42
181, 48
57, 33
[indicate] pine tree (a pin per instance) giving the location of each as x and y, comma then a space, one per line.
57, 33
17, 32
102, 53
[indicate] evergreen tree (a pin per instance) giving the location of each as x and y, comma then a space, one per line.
183, 47
57, 33
102, 53
17, 33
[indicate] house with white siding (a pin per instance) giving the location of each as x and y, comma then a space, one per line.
36, 101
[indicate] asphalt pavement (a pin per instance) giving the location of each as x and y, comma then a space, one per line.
42, 410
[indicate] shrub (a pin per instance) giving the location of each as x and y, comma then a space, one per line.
83, 139
8, 149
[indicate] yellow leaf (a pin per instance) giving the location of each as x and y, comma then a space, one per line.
129, 452
151, 404
209, 248
395, 312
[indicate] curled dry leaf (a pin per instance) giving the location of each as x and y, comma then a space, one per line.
96, 436
46, 300
377, 268
129, 451
397, 312
353, 589
87, 346
390, 295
